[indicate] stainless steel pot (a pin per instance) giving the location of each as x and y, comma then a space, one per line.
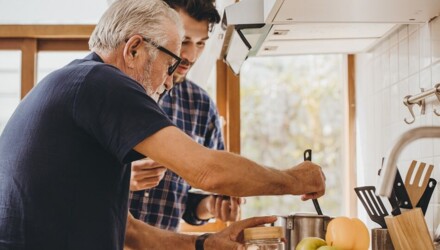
301, 225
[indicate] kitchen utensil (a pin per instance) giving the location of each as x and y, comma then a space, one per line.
392, 198
401, 193
400, 190
301, 225
308, 157
372, 204
426, 197
409, 231
394, 204
414, 188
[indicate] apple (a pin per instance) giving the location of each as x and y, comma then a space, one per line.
362, 240
340, 233
347, 234
310, 243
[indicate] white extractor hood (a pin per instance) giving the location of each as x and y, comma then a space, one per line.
289, 27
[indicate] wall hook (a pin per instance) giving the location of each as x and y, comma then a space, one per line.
419, 99
437, 94
410, 108
421, 103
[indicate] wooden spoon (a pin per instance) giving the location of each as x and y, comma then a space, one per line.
414, 188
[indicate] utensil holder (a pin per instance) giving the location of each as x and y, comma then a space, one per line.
408, 231
380, 239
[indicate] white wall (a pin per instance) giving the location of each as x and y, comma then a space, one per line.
51, 11
404, 62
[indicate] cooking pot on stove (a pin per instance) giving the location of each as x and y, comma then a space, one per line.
301, 225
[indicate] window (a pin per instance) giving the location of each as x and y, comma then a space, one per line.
30, 52
10, 68
49, 61
290, 104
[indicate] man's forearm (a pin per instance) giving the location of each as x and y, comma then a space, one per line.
227, 173
140, 235
247, 178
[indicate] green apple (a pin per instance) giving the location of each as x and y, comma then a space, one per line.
328, 248
310, 243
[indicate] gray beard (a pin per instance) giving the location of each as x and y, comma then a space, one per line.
145, 81
156, 94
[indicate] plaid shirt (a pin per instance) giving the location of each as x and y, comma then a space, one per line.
193, 111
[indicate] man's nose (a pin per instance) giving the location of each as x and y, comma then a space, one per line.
189, 53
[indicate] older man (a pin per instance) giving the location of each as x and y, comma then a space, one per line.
63, 184
192, 110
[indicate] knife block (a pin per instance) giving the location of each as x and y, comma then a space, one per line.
408, 231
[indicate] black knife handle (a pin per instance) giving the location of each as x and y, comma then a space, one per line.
401, 193
399, 190
426, 197
394, 204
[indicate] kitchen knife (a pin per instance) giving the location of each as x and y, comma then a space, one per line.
426, 197
401, 193
308, 157
400, 190
395, 206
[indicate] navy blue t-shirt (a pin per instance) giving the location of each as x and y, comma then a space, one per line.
63, 183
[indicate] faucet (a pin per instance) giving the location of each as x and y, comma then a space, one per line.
388, 173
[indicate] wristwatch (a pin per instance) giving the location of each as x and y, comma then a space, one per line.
200, 241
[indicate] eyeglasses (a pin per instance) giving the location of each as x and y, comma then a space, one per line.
174, 66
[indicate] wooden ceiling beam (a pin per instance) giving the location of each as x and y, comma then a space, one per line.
46, 31
63, 44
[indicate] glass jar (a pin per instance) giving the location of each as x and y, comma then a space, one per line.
264, 238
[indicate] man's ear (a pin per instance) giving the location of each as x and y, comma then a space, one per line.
132, 46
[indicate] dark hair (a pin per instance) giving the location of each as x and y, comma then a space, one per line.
201, 10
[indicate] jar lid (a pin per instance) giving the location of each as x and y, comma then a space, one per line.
257, 233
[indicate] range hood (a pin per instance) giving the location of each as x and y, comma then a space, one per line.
290, 27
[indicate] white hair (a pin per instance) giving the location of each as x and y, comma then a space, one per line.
125, 18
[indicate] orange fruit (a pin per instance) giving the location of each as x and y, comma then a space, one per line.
347, 234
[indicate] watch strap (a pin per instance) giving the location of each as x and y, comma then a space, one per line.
200, 241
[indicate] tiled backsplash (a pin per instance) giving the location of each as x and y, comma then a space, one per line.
400, 65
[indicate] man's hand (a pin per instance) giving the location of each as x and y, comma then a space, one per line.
311, 182
232, 236
145, 173
140, 235
220, 207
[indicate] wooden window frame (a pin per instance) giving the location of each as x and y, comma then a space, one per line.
31, 39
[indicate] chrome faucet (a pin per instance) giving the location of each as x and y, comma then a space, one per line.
388, 173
